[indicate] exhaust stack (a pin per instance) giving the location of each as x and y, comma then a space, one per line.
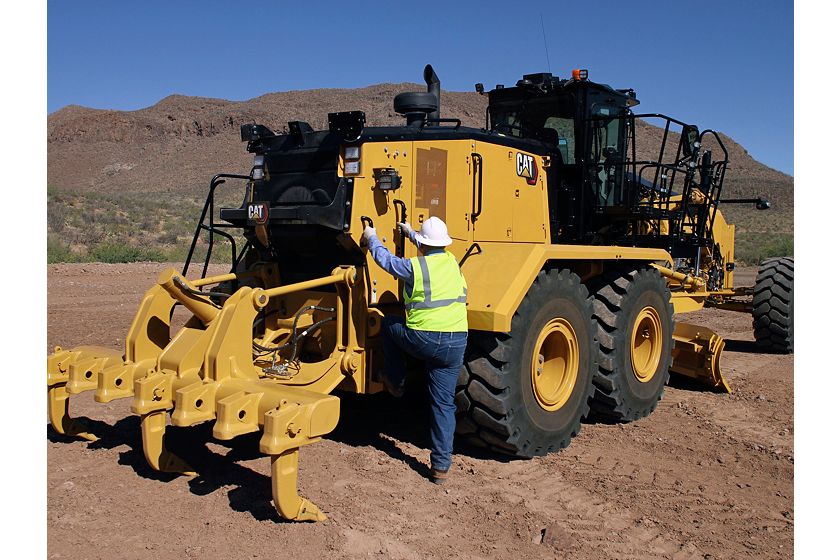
419, 107
433, 87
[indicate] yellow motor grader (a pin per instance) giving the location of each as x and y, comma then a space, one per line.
578, 250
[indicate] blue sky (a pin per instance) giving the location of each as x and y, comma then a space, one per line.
726, 65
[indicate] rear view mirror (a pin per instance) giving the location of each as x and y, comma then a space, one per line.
689, 140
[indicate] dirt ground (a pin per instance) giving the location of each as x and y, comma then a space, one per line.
706, 476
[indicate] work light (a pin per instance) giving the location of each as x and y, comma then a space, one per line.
258, 170
351, 160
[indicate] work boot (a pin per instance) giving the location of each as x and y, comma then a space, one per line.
438, 476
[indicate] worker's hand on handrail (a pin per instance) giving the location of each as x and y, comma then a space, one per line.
406, 229
368, 233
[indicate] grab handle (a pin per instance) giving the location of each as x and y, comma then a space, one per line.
477, 177
366, 221
403, 210
402, 216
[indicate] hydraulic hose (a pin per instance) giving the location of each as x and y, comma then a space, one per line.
295, 336
189, 290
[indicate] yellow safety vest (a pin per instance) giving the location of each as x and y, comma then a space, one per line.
438, 299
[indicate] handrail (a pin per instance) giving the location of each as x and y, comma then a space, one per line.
688, 221
216, 181
439, 121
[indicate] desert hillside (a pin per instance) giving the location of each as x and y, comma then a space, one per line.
103, 164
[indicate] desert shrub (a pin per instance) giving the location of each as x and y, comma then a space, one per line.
167, 238
58, 251
91, 236
752, 248
118, 253
56, 219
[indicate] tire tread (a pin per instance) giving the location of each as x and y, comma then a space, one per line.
487, 412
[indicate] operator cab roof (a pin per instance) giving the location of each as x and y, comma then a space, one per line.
546, 84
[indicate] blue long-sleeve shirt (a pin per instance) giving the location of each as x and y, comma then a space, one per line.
397, 267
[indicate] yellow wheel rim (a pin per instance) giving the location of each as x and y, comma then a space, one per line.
554, 364
647, 344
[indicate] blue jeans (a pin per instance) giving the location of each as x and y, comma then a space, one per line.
443, 355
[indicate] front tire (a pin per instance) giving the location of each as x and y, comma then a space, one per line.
525, 392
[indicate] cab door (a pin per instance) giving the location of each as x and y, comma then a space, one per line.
607, 155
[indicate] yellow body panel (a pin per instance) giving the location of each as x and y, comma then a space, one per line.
724, 235
499, 277
511, 209
510, 228
380, 207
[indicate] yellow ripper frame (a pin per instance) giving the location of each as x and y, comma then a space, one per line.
207, 371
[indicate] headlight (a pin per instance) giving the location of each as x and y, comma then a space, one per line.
352, 154
258, 170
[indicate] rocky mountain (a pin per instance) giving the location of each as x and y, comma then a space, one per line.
178, 144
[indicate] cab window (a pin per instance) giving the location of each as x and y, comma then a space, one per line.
606, 154
548, 119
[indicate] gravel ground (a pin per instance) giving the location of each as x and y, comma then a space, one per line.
706, 476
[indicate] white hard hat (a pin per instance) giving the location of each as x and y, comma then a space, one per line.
433, 233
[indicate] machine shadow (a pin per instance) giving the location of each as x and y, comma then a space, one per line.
678, 381
251, 490
376, 420
744, 346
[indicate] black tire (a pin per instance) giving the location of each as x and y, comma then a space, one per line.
773, 306
496, 400
621, 295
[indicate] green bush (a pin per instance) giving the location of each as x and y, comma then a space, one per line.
126, 226
57, 251
751, 248
115, 253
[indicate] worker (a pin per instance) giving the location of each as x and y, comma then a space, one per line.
434, 330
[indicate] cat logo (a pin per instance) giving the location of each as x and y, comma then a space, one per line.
258, 213
526, 166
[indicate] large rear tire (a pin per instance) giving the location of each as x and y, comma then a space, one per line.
773, 306
635, 320
526, 391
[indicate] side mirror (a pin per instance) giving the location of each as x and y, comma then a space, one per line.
689, 137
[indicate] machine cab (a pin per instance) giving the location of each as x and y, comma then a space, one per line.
585, 127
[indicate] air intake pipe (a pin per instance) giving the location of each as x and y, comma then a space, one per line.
433, 87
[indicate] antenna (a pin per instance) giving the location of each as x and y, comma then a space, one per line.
545, 43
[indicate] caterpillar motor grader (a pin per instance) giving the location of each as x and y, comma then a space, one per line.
578, 250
